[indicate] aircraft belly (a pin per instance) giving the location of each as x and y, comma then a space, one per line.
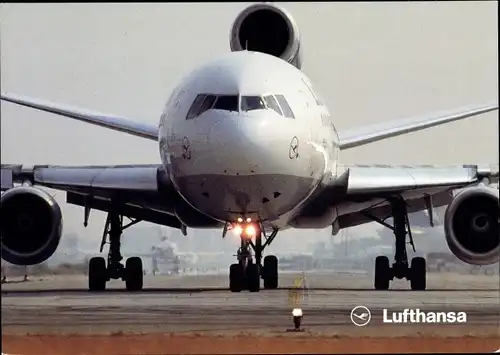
263, 197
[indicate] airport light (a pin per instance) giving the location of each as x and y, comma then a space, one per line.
297, 318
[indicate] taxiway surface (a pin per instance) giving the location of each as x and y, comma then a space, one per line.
202, 304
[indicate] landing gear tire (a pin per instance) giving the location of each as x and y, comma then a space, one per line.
246, 274
236, 278
98, 275
418, 271
101, 270
253, 277
382, 273
134, 274
270, 272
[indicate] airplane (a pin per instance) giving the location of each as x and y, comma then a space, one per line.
248, 146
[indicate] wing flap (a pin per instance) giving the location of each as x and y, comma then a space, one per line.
368, 134
382, 209
116, 123
128, 209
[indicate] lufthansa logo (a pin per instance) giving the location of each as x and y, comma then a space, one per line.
293, 151
186, 149
360, 316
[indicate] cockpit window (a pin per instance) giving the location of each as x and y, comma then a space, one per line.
195, 107
249, 103
273, 104
287, 111
207, 104
226, 102
204, 102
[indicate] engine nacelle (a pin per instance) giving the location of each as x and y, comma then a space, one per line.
268, 29
471, 226
31, 225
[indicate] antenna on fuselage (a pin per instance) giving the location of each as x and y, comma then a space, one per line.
246, 45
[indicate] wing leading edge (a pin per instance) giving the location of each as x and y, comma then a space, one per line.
368, 134
109, 121
144, 190
365, 189
389, 179
361, 192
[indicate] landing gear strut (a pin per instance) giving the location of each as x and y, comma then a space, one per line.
100, 273
384, 273
246, 274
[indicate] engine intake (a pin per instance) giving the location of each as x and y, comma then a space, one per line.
471, 226
267, 29
31, 225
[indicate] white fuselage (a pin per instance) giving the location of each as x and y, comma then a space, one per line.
231, 155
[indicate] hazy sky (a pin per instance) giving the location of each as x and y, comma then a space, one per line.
371, 62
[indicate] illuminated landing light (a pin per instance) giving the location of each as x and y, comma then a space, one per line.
250, 231
240, 219
244, 230
249, 220
237, 230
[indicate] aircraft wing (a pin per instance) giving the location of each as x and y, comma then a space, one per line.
113, 122
361, 191
145, 190
368, 134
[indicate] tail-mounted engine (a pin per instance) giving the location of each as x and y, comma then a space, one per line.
31, 225
269, 29
471, 226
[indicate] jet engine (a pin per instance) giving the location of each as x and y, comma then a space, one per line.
268, 29
471, 225
31, 225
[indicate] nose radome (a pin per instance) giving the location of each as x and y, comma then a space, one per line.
247, 143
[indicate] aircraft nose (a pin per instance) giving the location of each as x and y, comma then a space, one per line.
247, 167
247, 143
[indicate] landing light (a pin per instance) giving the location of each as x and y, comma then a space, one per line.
237, 230
249, 220
244, 230
250, 231
240, 219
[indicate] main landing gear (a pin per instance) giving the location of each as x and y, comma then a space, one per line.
99, 273
246, 274
416, 272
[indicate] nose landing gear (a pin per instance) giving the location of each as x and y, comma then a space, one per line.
246, 274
